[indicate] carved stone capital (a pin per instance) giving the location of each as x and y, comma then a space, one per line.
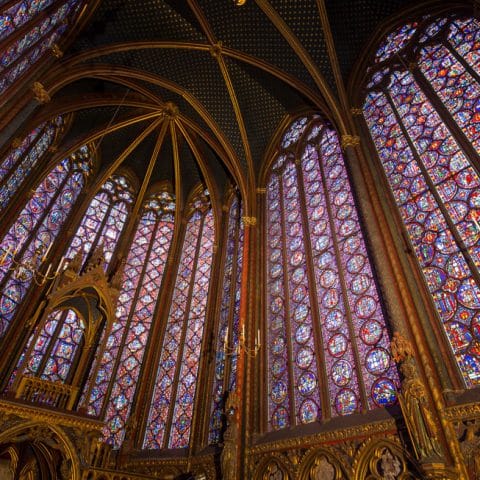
349, 141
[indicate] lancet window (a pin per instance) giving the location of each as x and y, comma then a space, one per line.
228, 329
171, 412
119, 369
19, 162
24, 248
422, 110
327, 341
28, 29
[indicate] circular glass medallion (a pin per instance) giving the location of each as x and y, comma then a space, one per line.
351, 245
365, 306
306, 383
341, 373
299, 293
377, 361
295, 229
298, 275
348, 227
303, 333
330, 299
278, 345
278, 367
469, 294
355, 263
337, 345
296, 259
328, 278
346, 402
371, 332
322, 242
320, 227
294, 244
318, 213
308, 411
457, 267
340, 198
279, 418
333, 320
384, 392
304, 357
276, 305
275, 255
301, 313
275, 270
279, 392
360, 284
446, 304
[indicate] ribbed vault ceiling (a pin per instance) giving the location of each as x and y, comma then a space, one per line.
229, 75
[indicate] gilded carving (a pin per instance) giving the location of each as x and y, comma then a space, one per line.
249, 221
349, 141
39, 93
228, 457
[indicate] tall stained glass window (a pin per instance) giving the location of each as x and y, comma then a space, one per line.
422, 107
104, 219
118, 371
228, 330
327, 342
27, 241
28, 28
102, 224
18, 163
171, 411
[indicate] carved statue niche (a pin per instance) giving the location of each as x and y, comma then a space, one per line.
414, 403
228, 456
274, 472
90, 299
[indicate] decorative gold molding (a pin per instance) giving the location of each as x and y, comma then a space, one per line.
349, 141
48, 416
57, 53
462, 412
40, 94
261, 191
249, 221
356, 111
365, 430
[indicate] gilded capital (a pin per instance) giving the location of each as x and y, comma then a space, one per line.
356, 111
261, 191
249, 221
57, 53
39, 93
349, 141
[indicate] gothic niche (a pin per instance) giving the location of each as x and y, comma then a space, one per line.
68, 326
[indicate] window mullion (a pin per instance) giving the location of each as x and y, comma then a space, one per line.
286, 291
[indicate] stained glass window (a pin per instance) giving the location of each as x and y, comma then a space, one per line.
117, 373
104, 219
171, 411
325, 328
424, 122
38, 24
16, 166
228, 329
23, 248
58, 341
